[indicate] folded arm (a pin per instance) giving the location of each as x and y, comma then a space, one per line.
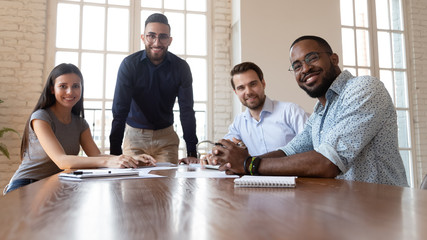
307, 164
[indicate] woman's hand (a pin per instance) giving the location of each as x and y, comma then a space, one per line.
145, 160
122, 161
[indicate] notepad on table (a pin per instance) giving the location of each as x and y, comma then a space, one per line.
265, 181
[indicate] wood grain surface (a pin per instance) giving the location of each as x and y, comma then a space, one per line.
207, 208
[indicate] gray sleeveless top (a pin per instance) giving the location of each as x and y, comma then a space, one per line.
36, 164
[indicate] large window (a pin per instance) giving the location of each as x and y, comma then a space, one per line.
96, 35
373, 40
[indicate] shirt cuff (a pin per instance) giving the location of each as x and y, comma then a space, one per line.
287, 150
329, 152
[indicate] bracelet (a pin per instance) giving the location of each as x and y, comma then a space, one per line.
245, 166
254, 165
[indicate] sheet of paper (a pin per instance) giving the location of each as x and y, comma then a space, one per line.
144, 175
204, 174
159, 166
197, 165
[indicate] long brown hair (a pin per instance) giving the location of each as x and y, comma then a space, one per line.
47, 98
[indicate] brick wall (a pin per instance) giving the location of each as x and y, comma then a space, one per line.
417, 29
22, 57
222, 92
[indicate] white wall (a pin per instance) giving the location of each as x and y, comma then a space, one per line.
269, 27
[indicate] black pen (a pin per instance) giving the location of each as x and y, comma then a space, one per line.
239, 144
81, 172
78, 172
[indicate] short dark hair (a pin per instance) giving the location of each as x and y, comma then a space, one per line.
244, 67
322, 42
157, 17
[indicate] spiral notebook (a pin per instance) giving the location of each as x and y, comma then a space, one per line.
265, 181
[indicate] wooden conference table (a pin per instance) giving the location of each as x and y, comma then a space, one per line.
211, 208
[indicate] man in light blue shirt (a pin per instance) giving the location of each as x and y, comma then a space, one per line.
266, 124
352, 133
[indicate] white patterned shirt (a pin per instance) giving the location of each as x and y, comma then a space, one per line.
279, 123
356, 130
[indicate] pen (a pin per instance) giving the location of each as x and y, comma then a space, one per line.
84, 172
81, 172
239, 144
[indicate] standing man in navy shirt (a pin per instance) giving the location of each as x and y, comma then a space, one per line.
148, 83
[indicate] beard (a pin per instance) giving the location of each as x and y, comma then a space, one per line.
256, 105
156, 57
320, 91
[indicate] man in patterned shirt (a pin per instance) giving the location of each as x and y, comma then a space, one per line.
352, 133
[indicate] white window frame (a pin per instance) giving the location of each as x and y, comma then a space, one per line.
375, 70
134, 46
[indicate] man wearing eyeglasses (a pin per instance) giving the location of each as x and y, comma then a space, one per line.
352, 133
148, 83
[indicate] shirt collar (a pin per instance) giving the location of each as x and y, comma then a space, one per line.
338, 85
268, 105
266, 108
336, 88
144, 57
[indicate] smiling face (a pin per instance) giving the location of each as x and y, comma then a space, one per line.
317, 77
67, 90
156, 51
250, 89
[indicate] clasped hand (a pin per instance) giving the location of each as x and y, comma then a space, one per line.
229, 156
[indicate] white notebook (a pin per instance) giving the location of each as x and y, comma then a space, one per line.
265, 181
98, 173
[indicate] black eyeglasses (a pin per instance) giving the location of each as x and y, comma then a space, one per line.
309, 59
163, 38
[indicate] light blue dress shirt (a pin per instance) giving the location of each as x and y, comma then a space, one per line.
356, 130
279, 123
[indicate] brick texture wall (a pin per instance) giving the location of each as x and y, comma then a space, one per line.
222, 93
417, 29
22, 57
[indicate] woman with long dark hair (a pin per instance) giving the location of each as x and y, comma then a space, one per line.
56, 129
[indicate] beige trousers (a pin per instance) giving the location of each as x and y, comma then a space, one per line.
161, 144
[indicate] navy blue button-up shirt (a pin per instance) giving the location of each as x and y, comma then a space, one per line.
145, 95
